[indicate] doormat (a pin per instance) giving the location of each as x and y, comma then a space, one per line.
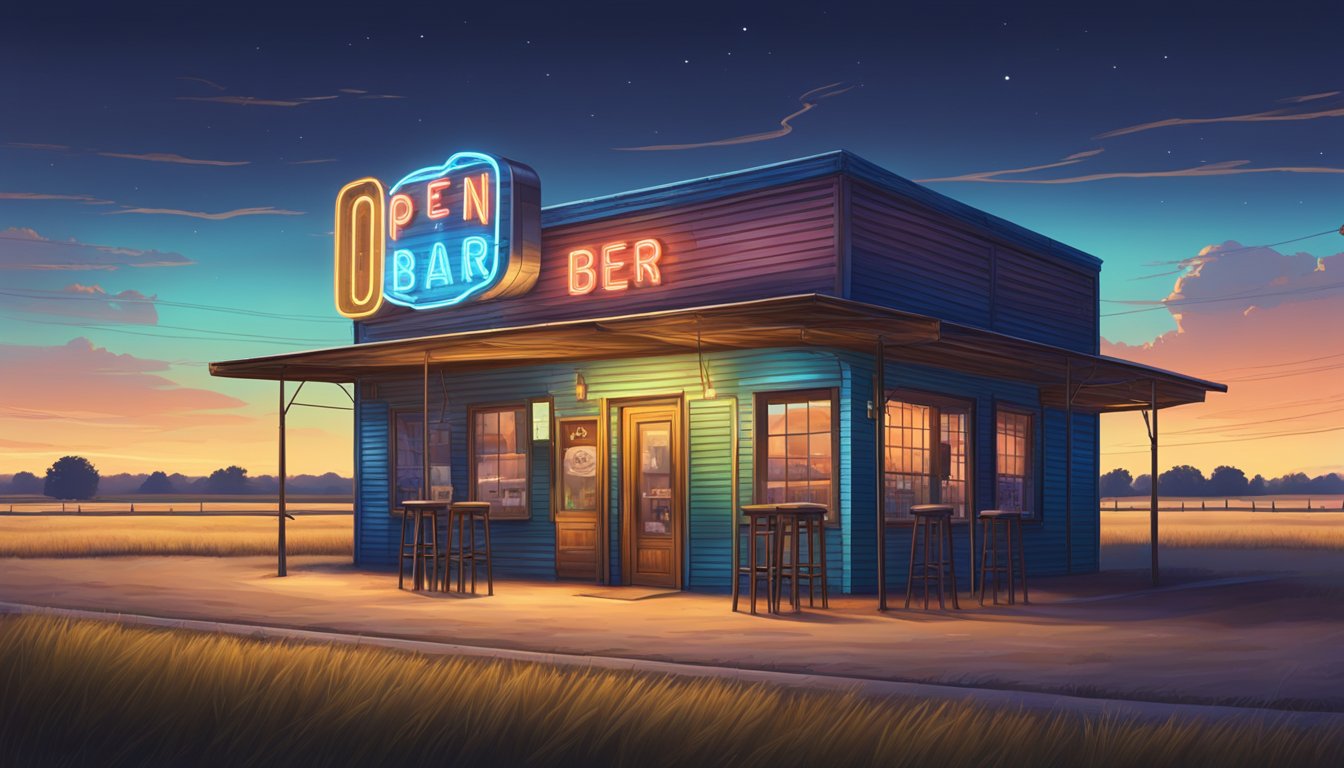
628, 593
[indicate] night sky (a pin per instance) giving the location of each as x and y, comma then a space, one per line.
203, 154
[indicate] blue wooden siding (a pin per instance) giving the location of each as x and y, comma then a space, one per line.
910, 257
526, 548
375, 530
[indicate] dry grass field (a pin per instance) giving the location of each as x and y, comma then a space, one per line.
1228, 530
210, 535
133, 696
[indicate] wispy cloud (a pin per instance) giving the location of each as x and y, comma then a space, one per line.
86, 199
210, 83
87, 302
245, 101
37, 145
1076, 157
351, 90
22, 248
1271, 116
233, 214
1225, 168
294, 101
1311, 97
170, 157
810, 100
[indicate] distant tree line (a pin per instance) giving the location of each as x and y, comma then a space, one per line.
1186, 480
75, 477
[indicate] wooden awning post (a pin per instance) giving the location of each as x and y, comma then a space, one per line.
1152, 473
880, 412
424, 435
282, 567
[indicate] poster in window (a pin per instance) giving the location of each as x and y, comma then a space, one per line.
578, 460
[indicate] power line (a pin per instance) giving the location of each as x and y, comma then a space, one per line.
1184, 262
47, 295
245, 338
1178, 303
1231, 440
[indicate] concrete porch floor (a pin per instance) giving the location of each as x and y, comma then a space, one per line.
1257, 634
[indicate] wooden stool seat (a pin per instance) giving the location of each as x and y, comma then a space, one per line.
1010, 522
467, 514
933, 520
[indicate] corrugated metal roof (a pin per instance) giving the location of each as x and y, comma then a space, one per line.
790, 171
1100, 383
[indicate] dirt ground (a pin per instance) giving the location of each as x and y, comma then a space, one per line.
1229, 626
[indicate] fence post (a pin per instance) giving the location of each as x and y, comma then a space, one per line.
1273, 505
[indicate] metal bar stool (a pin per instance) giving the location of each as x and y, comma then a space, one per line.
466, 514
1010, 522
761, 533
803, 528
423, 546
935, 520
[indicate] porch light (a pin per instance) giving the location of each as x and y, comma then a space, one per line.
580, 387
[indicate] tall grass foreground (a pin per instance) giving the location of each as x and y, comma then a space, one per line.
77, 692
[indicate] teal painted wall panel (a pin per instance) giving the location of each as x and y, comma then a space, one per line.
526, 548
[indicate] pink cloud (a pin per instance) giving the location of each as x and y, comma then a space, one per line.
22, 248
1266, 324
170, 157
233, 214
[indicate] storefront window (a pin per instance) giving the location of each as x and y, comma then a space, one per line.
928, 454
408, 458
1013, 487
795, 447
499, 460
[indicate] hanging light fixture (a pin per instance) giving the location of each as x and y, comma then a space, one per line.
706, 383
580, 387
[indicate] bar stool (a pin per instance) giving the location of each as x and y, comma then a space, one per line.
466, 514
423, 546
933, 520
761, 533
796, 523
1010, 521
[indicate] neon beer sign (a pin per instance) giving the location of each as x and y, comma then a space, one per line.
466, 230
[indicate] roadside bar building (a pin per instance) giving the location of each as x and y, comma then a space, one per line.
617, 376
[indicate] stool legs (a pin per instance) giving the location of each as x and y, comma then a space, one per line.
937, 537
401, 555
1014, 566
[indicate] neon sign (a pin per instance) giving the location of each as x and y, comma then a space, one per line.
615, 267
466, 230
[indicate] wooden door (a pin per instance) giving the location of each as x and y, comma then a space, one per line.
578, 496
652, 515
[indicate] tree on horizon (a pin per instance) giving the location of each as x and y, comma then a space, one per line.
157, 482
71, 477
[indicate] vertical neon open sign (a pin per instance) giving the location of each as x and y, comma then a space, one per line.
466, 230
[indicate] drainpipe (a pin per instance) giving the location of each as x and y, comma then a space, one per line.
880, 404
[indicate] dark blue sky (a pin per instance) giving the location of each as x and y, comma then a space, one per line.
210, 145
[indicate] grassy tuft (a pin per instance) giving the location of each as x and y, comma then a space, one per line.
1228, 530
90, 692
166, 535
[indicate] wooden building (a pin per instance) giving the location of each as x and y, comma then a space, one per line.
668, 354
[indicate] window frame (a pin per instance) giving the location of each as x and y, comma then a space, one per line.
761, 440
394, 451
936, 401
524, 407
1034, 458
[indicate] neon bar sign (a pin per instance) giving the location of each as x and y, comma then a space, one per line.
466, 230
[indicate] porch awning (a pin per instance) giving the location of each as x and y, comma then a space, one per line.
1101, 383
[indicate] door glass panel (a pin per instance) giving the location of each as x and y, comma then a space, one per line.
655, 479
